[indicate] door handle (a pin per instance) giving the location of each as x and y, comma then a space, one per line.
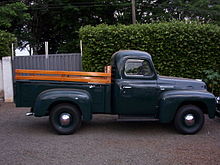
92, 86
126, 87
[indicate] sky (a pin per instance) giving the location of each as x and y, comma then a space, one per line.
24, 52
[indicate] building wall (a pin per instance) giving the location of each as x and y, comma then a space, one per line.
1, 80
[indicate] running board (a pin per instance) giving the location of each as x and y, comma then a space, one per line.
136, 118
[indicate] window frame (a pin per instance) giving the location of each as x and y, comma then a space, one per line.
139, 76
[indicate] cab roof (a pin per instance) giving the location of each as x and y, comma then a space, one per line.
132, 53
118, 58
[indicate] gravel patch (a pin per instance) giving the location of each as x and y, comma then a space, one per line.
103, 141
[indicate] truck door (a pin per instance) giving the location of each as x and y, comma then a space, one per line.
98, 97
136, 93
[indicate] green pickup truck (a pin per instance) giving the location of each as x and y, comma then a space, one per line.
135, 92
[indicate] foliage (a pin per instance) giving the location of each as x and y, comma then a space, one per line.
199, 10
178, 48
213, 80
12, 14
5, 43
14, 19
58, 21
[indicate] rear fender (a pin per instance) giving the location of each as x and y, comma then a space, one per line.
48, 98
172, 100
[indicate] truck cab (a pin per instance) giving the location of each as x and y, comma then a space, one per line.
134, 92
135, 88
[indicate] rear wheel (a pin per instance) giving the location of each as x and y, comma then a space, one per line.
65, 118
189, 119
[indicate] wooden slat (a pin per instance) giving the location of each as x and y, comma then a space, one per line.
63, 72
90, 77
76, 79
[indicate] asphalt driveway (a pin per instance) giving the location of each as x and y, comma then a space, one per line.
29, 140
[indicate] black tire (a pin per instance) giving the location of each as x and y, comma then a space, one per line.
73, 120
189, 119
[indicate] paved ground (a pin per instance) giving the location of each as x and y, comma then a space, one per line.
29, 140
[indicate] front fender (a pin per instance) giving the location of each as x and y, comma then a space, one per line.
81, 98
172, 100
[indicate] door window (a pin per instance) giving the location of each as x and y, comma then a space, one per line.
137, 67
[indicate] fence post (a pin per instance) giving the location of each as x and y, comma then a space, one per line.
46, 55
81, 48
7, 79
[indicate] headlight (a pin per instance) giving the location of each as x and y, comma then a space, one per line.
218, 100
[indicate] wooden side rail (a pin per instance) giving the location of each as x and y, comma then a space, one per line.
90, 77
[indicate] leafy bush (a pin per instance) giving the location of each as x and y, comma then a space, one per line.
5, 43
212, 79
177, 48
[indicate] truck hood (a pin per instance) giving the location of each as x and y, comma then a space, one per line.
166, 82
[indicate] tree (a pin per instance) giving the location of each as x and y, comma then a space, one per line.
58, 21
166, 10
14, 19
12, 24
5, 43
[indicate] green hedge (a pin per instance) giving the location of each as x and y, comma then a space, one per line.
5, 43
177, 48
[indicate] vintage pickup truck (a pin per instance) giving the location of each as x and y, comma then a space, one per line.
130, 88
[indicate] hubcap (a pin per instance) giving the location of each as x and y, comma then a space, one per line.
189, 120
65, 119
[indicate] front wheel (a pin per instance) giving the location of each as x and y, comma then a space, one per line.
189, 119
65, 119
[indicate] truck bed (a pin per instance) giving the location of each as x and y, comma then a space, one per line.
26, 92
30, 83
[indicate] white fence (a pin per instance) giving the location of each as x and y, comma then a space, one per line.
1, 80
6, 80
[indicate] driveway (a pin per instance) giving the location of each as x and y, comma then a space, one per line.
29, 140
